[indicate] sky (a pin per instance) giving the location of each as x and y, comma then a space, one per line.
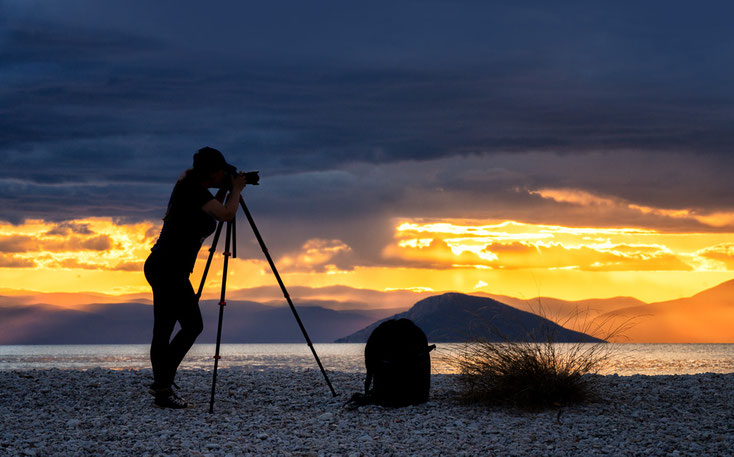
565, 149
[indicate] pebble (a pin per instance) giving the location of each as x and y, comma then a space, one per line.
291, 412
73, 423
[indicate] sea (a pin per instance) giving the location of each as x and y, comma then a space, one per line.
623, 359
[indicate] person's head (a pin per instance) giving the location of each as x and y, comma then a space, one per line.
210, 166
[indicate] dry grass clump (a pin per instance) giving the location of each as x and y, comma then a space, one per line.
529, 374
537, 373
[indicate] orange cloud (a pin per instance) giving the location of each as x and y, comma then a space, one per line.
17, 243
91, 244
319, 255
672, 213
721, 252
574, 196
513, 245
73, 263
501, 257
129, 266
613, 258
454, 253
9, 261
587, 199
27, 244
718, 219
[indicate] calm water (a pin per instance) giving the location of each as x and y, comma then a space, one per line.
627, 359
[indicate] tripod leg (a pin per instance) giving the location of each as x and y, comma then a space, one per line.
222, 304
234, 238
212, 249
285, 292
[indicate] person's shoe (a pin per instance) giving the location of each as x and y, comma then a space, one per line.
152, 389
167, 398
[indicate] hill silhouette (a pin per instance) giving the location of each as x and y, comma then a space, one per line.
455, 317
330, 313
130, 323
556, 308
707, 317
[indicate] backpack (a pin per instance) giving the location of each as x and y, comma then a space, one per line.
398, 365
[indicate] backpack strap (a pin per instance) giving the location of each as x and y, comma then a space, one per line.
359, 399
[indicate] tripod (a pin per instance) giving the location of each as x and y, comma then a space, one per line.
230, 241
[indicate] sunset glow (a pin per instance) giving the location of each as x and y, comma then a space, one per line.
515, 245
507, 257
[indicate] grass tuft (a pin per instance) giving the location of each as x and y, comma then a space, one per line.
529, 374
536, 374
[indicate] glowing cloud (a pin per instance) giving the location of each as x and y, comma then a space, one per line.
502, 257
516, 245
574, 196
723, 253
318, 255
587, 199
97, 244
93, 254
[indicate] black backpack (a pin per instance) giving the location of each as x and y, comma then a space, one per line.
398, 365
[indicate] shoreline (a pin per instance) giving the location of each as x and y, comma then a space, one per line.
291, 412
627, 358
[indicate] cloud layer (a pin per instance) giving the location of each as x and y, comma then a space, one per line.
361, 117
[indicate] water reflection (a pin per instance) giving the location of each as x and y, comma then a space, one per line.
626, 359
629, 359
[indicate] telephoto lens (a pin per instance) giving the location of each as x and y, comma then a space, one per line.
252, 177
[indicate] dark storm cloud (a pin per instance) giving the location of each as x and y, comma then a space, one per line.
56, 202
339, 104
64, 228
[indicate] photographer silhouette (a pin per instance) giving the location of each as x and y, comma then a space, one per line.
190, 218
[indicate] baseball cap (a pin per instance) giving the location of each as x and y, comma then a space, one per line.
209, 159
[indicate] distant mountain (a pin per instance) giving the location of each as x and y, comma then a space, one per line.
332, 312
707, 317
454, 317
128, 323
560, 310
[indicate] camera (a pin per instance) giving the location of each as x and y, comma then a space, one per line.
252, 177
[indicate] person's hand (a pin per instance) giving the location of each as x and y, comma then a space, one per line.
239, 181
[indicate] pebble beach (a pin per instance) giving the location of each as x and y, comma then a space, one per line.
292, 413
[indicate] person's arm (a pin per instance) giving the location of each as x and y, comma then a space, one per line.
227, 211
221, 193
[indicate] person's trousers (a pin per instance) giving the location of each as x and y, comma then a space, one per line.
174, 301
